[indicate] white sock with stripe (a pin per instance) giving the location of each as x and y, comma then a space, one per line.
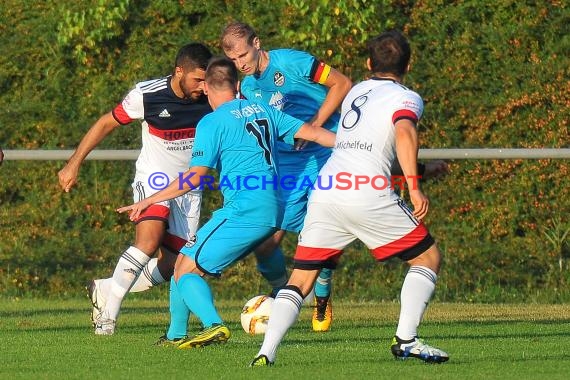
284, 314
149, 277
416, 292
129, 267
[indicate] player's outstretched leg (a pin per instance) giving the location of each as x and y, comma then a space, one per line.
128, 268
96, 289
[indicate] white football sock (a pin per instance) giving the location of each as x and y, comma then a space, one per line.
128, 268
416, 292
284, 313
149, 277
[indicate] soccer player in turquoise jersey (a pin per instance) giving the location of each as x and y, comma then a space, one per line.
302, 86
238, 139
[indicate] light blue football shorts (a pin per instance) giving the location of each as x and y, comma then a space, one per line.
222, 241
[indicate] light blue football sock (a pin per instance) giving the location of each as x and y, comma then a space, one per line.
198, 297
179, 313
323, 286
273, 269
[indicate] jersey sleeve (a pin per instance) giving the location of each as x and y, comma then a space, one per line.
131, 108
308, 66
206, 151
410, 106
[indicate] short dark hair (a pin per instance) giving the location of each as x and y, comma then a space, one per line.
389, 53
193, 56
222, 74
239, 30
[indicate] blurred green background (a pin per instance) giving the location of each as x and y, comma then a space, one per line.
492, 75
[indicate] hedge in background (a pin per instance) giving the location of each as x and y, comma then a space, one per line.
490, 76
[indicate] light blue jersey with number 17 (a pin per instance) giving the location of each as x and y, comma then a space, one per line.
239, 140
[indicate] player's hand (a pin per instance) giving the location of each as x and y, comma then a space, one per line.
435, 169
135, 209
67, 178
420, 203
300, 144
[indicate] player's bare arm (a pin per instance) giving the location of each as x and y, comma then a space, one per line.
191, 180
102, 127
407, 152
338, 85
319, 135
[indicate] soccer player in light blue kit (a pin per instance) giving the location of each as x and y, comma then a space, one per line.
238, 140
302, 86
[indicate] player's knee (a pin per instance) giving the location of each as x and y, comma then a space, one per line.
147, 247
430, 258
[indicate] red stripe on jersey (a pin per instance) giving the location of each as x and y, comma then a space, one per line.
154, 212
409, 241
172, 134
121, 116
309, 254
404, 114
173, 242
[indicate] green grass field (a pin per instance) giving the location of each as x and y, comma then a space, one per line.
52, 339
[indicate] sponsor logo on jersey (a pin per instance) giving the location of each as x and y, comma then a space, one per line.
354, 144
164, 113
198, 153
277, 100
278, 79
174, 134
411, 105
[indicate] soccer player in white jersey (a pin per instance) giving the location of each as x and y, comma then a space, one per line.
170, 108
356, 200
